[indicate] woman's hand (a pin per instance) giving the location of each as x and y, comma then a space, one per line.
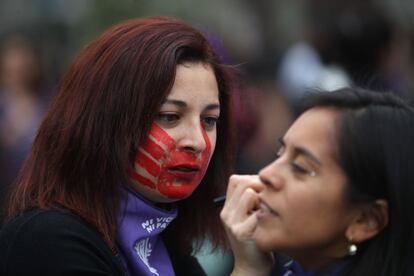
240, 221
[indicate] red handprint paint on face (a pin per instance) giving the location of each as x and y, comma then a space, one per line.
176, 172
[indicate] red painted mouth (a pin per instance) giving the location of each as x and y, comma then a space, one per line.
184, 171
185, 168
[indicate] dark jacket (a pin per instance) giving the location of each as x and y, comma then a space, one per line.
59, 242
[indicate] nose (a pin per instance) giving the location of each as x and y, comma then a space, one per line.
271, 176
193, 138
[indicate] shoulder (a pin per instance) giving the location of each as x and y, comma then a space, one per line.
42, 217
45, 227
54, 241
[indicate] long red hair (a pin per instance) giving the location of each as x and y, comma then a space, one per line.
101, 114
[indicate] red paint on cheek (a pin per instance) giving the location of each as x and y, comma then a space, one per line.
161, 136
207, 151
205, 156
154, 149
141, 179
167, 155
144, 161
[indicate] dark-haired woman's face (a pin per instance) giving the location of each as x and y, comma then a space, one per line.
303, 211
173, 160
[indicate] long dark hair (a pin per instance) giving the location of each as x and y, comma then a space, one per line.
376, 151
102, 113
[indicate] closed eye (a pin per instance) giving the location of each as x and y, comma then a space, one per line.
298, 169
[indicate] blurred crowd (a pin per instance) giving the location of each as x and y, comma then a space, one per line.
23, 99
344, 44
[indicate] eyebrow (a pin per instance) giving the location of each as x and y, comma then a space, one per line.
302, 151
175, 102
183, 104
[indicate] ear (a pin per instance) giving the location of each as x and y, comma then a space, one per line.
368, 222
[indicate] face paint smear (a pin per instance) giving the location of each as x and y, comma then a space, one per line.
177, 172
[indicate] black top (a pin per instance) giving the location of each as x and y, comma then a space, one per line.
59, 242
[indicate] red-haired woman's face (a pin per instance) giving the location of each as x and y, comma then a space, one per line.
171, 163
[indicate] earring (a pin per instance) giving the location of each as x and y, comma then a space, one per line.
352, 248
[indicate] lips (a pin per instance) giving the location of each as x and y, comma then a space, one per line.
184, 171
185, 168
264, 208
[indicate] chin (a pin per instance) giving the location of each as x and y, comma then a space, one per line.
170, 197
176, 192
264, 246
162, 199
263, 241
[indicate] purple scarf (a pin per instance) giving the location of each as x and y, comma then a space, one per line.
140, 245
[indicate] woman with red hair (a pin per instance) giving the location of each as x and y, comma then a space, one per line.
123, 171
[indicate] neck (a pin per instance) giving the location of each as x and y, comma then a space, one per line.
316, 261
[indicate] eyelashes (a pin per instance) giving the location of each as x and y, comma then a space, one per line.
172, 119
295, 167
210, 121
167, 118
301, 170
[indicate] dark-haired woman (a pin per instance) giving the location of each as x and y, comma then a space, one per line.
338, 198
133, 149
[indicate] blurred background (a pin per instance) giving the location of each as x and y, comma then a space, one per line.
280, 50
